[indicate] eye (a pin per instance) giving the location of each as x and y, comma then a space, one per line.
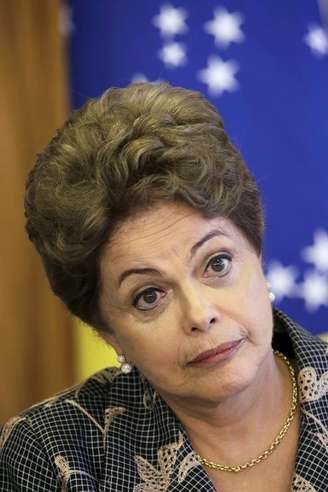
220, 264
147, 299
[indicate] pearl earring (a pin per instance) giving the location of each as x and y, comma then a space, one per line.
125, 366
272, 296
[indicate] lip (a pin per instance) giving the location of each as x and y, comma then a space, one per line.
221, 351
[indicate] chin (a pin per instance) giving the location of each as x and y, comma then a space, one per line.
216, 390
228, 381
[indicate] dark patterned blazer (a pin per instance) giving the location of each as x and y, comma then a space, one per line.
114, 433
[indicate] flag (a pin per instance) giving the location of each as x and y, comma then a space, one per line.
265, 67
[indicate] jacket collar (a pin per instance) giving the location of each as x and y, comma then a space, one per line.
310, 354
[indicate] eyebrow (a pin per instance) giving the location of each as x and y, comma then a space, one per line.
147, 270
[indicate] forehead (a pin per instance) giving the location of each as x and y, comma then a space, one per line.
167, 228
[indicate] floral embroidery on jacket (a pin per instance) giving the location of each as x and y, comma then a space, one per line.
65, 471
149, 399
158, 480
301, 485
321, 436
88, 414
311, 389
8, 428
110, 414
188, 462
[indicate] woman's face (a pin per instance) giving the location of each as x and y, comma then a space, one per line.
175, 284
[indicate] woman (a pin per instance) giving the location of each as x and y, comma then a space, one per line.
150, 227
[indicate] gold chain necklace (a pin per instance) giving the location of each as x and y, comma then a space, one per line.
276, 441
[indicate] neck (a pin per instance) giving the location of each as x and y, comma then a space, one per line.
225, 431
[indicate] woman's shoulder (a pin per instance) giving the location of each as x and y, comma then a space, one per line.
88, 398
71, 422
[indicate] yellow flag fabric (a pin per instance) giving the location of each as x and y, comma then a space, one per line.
92, 353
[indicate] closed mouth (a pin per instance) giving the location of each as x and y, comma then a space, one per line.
217, 350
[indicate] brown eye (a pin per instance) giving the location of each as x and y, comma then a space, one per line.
220, 264
147, 299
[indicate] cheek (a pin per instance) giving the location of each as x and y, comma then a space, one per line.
255, 307
157, 358
262, 325
254, 288
148, 344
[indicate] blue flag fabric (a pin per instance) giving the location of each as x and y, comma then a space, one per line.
265, 66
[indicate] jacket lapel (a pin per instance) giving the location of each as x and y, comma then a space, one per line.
311, 470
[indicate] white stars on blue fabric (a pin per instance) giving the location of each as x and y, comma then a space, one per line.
314, 287
314, 290
318, 252
219, 76
173, 54
317, 39
225, 27
171, 21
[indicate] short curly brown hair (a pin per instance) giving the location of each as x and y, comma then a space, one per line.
118, 155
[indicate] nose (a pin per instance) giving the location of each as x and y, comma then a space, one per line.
198, 313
